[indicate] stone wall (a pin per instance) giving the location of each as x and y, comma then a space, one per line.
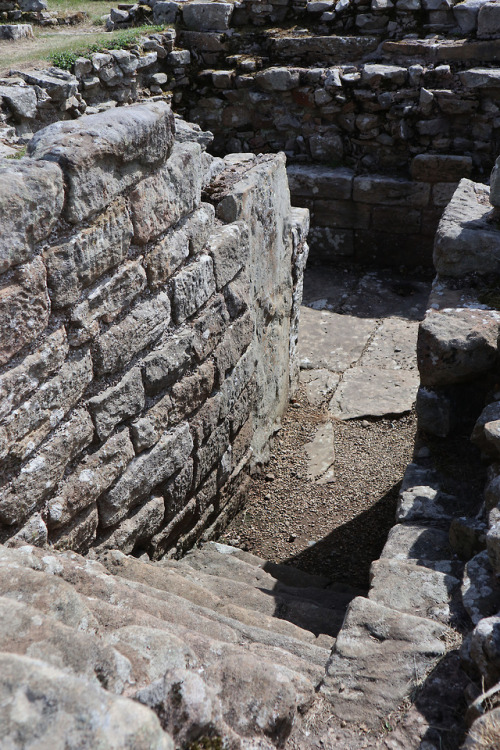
377, 132
149, 309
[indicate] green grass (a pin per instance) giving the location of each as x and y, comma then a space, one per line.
64, 58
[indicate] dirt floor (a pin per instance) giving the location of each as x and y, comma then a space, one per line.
335, 529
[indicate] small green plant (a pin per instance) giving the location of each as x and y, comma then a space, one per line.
19, 154
123, 40
206, 743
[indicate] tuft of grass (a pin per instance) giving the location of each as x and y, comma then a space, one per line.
19, 155
66, 58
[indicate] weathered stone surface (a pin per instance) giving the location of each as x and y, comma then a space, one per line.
424, 545
138, 528
192, 287
14, 31
109, 298
166, 364
19, 382
423, 503
60, 85
106, 153
480, 589
26, 427
376, 75
189, 393
277, 79
486, 441
321, 455
163, 198
466, 241
318, 181
332, 341
77, 263
370, 391
31, 200
187, 237
346, 48
207, 16
37, 478
90, 478
479, 78
145, 323
378, 657
236, 340
229, 247
413, 589
24, 308
144, 473
119, 402
78, 534
87, 714
457, 345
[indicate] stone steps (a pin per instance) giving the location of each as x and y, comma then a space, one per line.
203, 642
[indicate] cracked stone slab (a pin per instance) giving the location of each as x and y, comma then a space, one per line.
374, 392
394, 346
322, 286
423, 546
377, 296
332, 341
379, 657
321, 455
319, 384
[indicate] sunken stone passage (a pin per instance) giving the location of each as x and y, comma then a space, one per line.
149, 308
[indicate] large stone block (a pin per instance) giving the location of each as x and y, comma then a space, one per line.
31, 200
26, 427
168, 363
171, 193
192, 287
457, 345
189, 236
229, 247
144, 473
39, 476
207, 16
440, 167
119, 402
139, 527
488, 20
17, 383
145, 323
90, 478
24, 308
318, 181
466, 241
101, 155
81, 260
108, 299
190, 392
390, 191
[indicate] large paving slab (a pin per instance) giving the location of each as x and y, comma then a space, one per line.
321, 455
332, 341
374, 392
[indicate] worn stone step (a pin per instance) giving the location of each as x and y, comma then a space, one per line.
286, 574
380, 656
422, 545
413, 589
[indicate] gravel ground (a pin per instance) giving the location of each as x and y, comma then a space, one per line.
335, 529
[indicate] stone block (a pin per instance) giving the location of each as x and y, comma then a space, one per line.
166, 196
31, 201
466, 14
15, 31
277, 79
117, 403
329, 243
480, 588
139, 329
139, 528
104, 154
79, 534
206, 420
456, 346
192, 287
395, 220
466, 242
169, 362
341, 214
24, 308
234, 384
148, 429
109, 298
236, 339
326, 147
81, 260
144, 473
434, 412
89, 479
207, 16
317, 181
19, 382
229, 248
39, 476
376, 75
165, 12
390, 191
189, 393
209, 327
488, 20
442, 193
440, 167
480, 78
26, 427
211, 452
189, 236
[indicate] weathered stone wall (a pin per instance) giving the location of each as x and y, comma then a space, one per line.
149, 304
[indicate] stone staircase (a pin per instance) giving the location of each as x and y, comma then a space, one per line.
220, 645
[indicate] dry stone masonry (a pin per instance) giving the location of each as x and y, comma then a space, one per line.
149, 313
